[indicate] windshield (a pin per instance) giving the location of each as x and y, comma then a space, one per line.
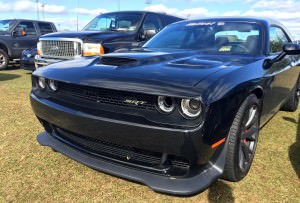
6, 25
219, 37
125, 22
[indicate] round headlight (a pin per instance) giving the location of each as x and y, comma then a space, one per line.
165, 104
42, 83
191, 107
53, 85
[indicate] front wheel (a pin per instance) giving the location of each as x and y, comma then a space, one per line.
243, 137
4, 59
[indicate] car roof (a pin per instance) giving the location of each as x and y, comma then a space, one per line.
20, 19
144, 12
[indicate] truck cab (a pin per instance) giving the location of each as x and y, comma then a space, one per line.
104, 34
17, 35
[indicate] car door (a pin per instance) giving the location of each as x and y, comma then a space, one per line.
29, 40
282, 75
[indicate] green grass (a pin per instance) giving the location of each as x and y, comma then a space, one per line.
32, 173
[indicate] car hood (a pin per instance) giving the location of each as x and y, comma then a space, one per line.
88, 35
155, 72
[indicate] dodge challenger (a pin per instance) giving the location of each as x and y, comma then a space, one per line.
180, 112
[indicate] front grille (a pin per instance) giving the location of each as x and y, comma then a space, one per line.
116, 61
107, 96
148, 160
60, 48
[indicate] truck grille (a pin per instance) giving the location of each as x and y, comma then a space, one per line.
107, 96
60, 48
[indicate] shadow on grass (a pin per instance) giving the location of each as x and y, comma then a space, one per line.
5, 77
220, 192
294, 152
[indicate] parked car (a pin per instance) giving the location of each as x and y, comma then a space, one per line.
177, 114
27, 59
104, 34
19, 34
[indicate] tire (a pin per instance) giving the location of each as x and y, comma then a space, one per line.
292, 102
243, 137
4, 59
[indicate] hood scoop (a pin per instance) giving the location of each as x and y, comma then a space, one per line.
116, 61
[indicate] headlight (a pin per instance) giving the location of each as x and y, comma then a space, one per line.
165, 104
39, 48
91, 49
53, 85
191, 108
42, 83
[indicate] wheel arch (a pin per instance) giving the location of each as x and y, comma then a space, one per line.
4, 46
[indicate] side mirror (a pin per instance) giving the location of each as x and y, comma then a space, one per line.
287, 49
147, 34
291, 49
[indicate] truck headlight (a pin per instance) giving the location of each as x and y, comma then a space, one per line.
92, 49
191, 108
39, 48
42, 83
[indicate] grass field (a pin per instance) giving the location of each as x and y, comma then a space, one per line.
32, 173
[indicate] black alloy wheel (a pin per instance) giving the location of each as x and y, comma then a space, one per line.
242, 140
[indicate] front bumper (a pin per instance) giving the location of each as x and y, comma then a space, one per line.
27, 64
41, 62
208, 164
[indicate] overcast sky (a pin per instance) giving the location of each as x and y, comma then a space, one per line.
63, 12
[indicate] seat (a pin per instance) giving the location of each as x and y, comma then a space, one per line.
253, 44
221, 41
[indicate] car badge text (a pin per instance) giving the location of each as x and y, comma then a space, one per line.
135, 102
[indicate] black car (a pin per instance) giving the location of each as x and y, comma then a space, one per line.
104, 34
27, 59
177, 114
19, 34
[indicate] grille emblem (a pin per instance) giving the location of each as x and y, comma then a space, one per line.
54, 48
135, 102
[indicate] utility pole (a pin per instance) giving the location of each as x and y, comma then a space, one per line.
43, 10
77, 13
37, 9
119, 5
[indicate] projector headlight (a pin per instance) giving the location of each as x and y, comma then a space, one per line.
191, 108
53, 85
42, 83
165, 104
92, 49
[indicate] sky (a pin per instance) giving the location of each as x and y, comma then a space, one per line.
64, 12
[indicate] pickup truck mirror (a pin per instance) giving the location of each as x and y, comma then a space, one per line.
287, 49
291, 49
147, 34
19, 33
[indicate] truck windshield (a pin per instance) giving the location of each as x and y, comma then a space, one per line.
122, 22
6, 25
218, 37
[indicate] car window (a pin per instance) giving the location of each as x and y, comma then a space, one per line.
170, 19
45, 28
216, 37
28, 27
152, 22
277, 39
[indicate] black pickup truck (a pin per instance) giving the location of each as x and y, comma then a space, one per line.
19, 34
106, 33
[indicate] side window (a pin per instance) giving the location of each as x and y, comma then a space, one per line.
28, 27
277, 39
170, 20
152, 22
45, 28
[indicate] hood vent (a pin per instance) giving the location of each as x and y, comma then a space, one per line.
116, 61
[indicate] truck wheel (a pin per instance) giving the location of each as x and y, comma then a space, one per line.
291, 104
243, 137
4, 59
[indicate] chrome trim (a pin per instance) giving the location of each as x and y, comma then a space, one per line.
62, 39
